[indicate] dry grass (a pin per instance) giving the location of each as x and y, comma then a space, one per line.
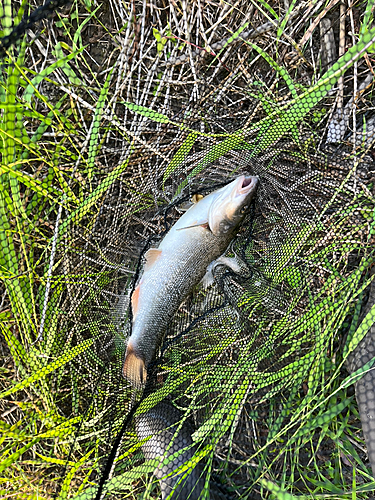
178, 60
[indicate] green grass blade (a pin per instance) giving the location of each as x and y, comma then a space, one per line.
59, 54
4, 464
31, 87
148, 113
315, 94
280, 493
280, 29
180, 155
87, 204
94, 143
216, 152
361, 331
368, 17
279, 69
7, 18
41, 374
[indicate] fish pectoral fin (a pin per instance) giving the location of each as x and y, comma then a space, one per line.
236, 264
231, 262
203, 223
134, 369
151, 256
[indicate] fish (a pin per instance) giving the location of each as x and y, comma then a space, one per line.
171, 271
167, 439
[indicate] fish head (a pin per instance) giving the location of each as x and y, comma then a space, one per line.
231, 204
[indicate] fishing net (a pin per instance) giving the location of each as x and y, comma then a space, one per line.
115, 118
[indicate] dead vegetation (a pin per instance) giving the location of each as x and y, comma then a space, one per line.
149, 103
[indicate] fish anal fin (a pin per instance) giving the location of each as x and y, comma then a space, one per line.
151, 256
134, 369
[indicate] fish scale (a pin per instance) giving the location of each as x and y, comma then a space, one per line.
168, 285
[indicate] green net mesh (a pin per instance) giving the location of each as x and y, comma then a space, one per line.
127, 370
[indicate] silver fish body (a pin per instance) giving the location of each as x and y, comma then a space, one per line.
166, 440
172, 270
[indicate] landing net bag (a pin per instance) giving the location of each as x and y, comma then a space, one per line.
116, 119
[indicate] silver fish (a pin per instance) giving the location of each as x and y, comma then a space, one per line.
180, 262
160, 425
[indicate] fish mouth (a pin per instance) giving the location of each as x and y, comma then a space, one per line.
247, 184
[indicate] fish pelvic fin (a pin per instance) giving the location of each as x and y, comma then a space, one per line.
152, 256
135, 299
134, 369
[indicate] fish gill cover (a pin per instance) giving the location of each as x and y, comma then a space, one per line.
114, 116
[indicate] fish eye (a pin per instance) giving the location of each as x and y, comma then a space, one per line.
244, 208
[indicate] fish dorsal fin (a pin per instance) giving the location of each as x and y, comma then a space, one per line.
196, 197
152, 255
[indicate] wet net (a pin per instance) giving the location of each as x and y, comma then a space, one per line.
128, 371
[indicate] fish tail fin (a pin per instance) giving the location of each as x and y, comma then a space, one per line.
134, 369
